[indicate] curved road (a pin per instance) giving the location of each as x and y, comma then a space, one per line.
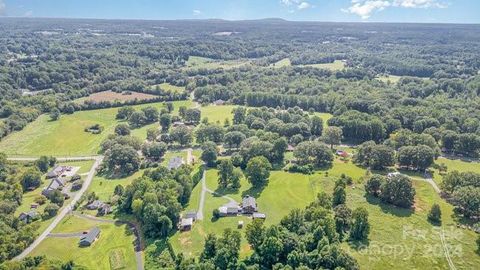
66, 209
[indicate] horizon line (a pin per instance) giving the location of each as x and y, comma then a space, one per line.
233, 20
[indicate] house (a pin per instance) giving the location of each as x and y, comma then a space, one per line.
29, 216
55, 184
191, 214
342, 153
185, 224
175, 163
219, 102
390, 175
259, 215
105, 209
178, 123
249, 205
34, 206
95, 205
229, 209
90, 237
58, 171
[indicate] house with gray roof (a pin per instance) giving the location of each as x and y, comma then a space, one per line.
55, 184
95, 205
90, 237
249, 205
185, 224
175, 163
229, 209
29, 216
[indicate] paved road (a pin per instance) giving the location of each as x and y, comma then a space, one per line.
65, 210
65, 235
189, 156
61, 159
202, 197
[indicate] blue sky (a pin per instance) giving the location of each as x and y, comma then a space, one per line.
436, 11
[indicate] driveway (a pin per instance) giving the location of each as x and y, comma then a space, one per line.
67, 208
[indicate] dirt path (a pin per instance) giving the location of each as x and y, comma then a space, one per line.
189, 156
65, 210
202, 197
447, 253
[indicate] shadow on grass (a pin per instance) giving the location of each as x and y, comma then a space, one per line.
254, 191
358, 245
221, 191
389, 208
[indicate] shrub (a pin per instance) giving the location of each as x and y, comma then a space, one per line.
40, 199
435, 214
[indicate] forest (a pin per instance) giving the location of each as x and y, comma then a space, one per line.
298, 96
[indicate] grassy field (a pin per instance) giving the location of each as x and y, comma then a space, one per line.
399, 238
325, 117
390, 78
456, 165
104, 187
336, 65
208, 63
217, 113
282, 63
67, 136
115, 97
112, 238
169, 88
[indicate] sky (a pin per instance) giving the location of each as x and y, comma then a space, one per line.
426, 11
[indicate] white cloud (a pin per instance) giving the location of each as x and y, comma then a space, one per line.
299, 4
303, 5
2, 8
365, 8
197, 12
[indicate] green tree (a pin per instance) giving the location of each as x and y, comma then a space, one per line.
343, 219
225, 172
51, 210
374, 184
339, 195
125, 112
151, 114
255, 233
239, 114
43, 163
360, 225
122, 130
55, 114
165, 121
182, 135
316, 126
258, 170
236, 177
209, 248
122, 159
137, 119
209, 153
31, 179
398, 190
435, 214
233, 139
332, 136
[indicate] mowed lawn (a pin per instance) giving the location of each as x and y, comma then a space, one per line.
281, 63
169, 88
66, 137
455, 165
336, 65
104, 187
208, 63
218, 114
284, 192
399, 238
113, 238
